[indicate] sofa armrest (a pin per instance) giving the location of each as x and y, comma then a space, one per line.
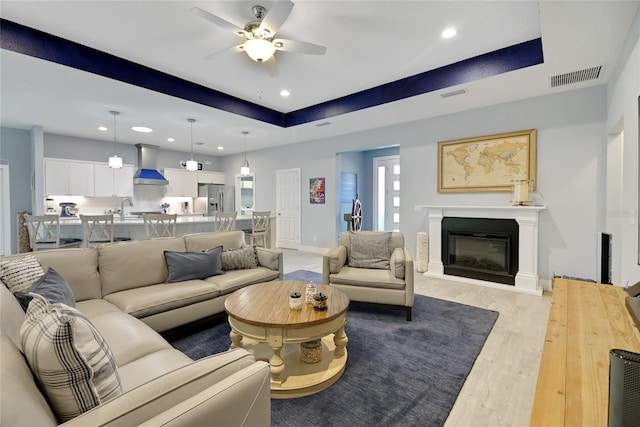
232, 373
270, 258
408, 278
333, 261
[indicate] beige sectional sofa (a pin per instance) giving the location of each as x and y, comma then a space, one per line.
121, 289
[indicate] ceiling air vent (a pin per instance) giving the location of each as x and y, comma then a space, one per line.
454, 93
576, 76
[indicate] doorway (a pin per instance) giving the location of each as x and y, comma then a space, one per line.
288, 208
386, 193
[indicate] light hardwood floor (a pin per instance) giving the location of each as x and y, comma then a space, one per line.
499, 390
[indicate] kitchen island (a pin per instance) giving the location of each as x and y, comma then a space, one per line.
133, 226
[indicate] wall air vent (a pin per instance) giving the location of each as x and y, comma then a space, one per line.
454, 93
576, 76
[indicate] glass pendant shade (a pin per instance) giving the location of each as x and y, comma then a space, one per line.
115, 162
192, 165
259, 50
245, 170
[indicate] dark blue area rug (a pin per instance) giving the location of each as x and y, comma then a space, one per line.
304, 275
398, 373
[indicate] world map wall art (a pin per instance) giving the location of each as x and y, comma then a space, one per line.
487, 163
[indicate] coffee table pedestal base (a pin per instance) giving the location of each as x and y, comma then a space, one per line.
301, 379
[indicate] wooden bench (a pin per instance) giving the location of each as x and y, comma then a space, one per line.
586, 321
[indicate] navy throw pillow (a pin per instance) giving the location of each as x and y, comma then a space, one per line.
193, 265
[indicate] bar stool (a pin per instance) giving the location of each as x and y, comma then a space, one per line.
225, 221
98, 230
259, 228
44, 233
159, 225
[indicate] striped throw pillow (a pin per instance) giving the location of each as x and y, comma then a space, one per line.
20, 273
66, 353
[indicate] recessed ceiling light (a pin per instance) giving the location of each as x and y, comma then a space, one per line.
221, 148
170, 139
448, 33
102, 128
285, 93
142, 129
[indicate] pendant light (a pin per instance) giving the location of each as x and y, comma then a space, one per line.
192, 165
115, 162
244, 170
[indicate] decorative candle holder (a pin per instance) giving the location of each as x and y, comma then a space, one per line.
320, 302
521, 192
311, 290
295, 301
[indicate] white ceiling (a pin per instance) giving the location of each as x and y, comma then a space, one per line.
369, 43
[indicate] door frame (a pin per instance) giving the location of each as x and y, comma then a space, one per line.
5, 210
298, 172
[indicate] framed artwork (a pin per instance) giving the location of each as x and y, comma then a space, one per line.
487, 163
316, 190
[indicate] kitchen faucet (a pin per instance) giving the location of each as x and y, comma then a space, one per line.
126, 199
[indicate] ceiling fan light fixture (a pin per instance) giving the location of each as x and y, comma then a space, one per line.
260, 50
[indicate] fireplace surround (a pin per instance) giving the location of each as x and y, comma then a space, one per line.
526, 278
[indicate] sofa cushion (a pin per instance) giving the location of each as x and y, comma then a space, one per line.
239, 259
52, 286
134, 264
149, 300
236, 279
199, 242
193, 265
370, 249
79, 267
69, 357
19, 274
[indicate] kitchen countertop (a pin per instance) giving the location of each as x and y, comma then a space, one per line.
135, 220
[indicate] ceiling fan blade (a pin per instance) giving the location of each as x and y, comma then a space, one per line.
219, 21
238, 48
299, 47
276, 16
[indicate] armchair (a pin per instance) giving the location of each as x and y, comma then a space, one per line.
372, 267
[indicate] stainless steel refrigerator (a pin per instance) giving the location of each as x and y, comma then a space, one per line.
215, 197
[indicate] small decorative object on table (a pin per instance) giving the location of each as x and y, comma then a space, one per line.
311, 291
311, 351
320, 302
295, 301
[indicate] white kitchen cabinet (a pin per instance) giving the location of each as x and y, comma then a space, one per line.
205, 177
182, 183
113, 182
68, 178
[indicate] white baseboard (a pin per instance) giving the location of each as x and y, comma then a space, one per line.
314, 249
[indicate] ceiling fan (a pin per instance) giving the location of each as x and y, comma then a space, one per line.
260, 43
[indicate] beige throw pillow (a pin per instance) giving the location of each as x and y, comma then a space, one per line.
370, 249
20, 273
72, 362
239, 259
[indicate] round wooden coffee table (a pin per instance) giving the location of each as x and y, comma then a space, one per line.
262, 322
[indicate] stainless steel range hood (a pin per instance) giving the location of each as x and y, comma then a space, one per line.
147, 174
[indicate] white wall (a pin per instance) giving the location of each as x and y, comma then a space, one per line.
622, 116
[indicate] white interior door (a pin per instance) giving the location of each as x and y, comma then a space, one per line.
288, 208
386, 193
5, 211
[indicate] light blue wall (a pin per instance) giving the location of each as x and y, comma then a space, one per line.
571, 162
15, 147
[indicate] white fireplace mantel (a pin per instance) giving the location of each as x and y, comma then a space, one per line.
526, 280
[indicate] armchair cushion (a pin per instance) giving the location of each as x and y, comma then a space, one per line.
396, 263
370, 250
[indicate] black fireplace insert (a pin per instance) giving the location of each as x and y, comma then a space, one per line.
480, 248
